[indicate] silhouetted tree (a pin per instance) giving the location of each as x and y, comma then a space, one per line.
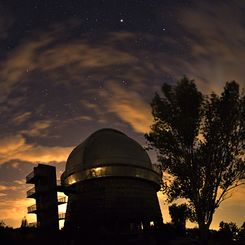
2, 224
200, 143
228, 231
241, 234
179, 215
24, 223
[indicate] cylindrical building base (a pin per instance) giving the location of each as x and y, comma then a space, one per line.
112, 206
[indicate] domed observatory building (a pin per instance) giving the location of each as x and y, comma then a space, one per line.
111, 186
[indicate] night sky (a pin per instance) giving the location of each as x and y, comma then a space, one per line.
68, 68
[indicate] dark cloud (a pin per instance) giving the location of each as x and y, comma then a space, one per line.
13, 170
215, 33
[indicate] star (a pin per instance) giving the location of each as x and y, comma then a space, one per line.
121, 20
125, 82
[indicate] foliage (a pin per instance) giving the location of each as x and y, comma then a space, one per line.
228, 231
24, 223
2, 224
179, 215
200, 144
241, 234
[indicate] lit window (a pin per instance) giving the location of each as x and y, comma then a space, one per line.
141, 226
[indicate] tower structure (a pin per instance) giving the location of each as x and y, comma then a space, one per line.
45, 193
111, 186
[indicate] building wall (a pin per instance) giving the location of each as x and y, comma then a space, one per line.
112, 204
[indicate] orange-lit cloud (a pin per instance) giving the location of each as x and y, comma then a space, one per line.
4, 187
21, 117
16, 147
38, 128
13, 210
14, 207
232, 209
129, 106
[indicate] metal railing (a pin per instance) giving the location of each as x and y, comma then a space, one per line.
33, 224
30, 176
32, 208
58, 182
62, 215
31, 192
60, 187
62, 199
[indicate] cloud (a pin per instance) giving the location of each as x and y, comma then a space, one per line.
16, 67
7, 188
13, 210
231, 209
45, 154
4, 188
210, 52
107, 60
11, 144
81, 54
22, 117
14, 172
49, 52
216, 43
13, 204
16, 147
129, 106
38, 128
78, 119
6, 22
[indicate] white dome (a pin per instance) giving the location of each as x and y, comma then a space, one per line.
107, 147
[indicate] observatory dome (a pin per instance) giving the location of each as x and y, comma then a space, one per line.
107, 147
110, 185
